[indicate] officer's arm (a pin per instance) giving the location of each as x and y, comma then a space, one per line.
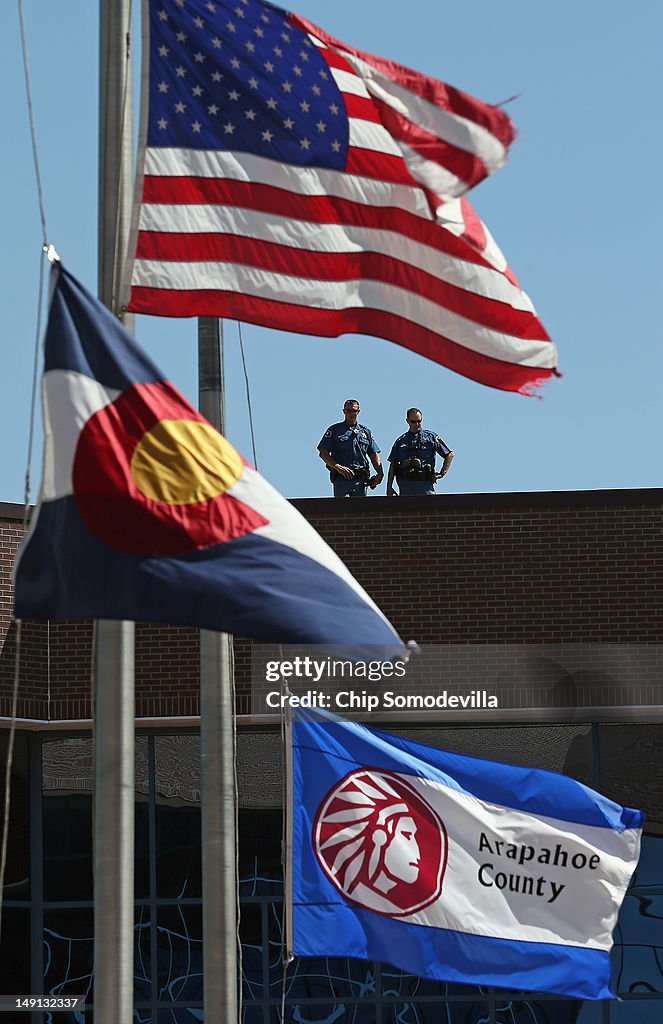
330, 464
326, 458
379, 472
446, 465
390, 480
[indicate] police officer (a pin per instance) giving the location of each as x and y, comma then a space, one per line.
345, 449
412, 459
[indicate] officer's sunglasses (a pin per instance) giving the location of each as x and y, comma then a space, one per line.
414, 421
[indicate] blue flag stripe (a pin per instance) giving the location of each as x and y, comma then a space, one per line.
220, 587
534, 790
457, 956
75, 323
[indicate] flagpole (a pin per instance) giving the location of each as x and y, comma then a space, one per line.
114, 709
288, 812
217, 751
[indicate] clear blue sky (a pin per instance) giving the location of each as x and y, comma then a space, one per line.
575, 210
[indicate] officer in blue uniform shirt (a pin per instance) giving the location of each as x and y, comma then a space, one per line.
346, 448
412, 459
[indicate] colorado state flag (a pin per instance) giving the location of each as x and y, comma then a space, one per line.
452, 867
146, 512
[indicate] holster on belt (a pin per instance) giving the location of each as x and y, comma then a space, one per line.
358, 473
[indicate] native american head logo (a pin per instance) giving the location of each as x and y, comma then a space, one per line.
380, 843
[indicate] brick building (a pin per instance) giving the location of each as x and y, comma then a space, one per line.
551, 602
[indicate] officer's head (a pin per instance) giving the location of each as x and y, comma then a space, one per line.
351, 410
414, 418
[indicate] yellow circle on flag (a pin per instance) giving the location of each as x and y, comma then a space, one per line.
184, 461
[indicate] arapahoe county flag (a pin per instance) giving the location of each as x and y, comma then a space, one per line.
146, 512
452, 867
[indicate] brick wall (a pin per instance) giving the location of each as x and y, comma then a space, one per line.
34, 635
507, 568
581, 567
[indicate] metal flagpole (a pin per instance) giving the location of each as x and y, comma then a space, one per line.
114, 698
217, 752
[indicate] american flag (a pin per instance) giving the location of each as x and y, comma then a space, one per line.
292, 181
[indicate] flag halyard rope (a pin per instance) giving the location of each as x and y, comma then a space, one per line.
49, 250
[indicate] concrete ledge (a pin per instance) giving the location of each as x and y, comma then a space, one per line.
380, 503
627, 715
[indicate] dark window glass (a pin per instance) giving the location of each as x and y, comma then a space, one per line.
636, 1011
632, 767
15, 951
68, 782
178, 817
181, 1016
142, 765
75, 1017
650, 866
330, 1013
178, 851
142, 823
274, 949
17, 868
142, 956
251, 936
68, 952
329, 978
142, 849
67, 846
260, 869
593, 1013
68, 779
179, 952
254, 1015
436, 1013
637, 957
535, 1011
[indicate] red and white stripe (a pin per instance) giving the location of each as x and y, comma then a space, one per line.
385, 247
452, 139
